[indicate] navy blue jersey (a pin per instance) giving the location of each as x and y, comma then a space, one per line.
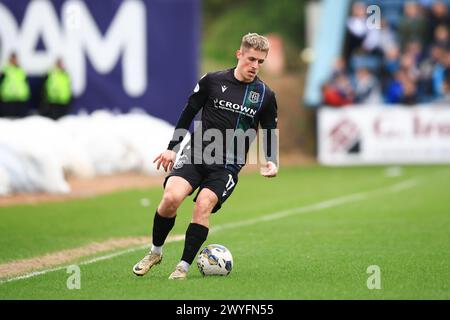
229, 104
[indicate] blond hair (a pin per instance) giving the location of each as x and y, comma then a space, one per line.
255, 41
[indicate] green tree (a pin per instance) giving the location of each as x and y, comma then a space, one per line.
226, 21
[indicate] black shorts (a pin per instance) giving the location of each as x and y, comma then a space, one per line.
216, 178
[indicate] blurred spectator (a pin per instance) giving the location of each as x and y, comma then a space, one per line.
438, 15
344, 86
415, 50
366, 87
389, 67
408, 64
445, 99
377, 39
356, 29
446, 87
387, 37
441, 36
14, 90
410, 96
56, 93
427, 69
394, 90
338, 92
413, 25
392, 61
339, 68
332, 97
440, 72
401, 89
405, 64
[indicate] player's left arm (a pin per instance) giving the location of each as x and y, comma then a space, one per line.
268, 121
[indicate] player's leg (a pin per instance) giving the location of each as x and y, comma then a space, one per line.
215, 189
204, 205
176, 190
197, 231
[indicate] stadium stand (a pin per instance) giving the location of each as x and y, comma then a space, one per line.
406, 61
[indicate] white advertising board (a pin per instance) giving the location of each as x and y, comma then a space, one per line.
384, 135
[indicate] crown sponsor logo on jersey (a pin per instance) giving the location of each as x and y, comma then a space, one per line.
224, 88
253, 97
235, 107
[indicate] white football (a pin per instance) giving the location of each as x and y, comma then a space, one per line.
215, 260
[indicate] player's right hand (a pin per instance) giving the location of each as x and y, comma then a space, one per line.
270, 170
166, 160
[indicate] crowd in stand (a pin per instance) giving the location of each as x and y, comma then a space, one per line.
15, 92
404, 61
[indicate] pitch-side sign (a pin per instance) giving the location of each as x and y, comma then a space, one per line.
381, 135
120, 54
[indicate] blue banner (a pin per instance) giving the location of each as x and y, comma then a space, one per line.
120, 54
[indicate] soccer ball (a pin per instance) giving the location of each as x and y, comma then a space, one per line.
215, 260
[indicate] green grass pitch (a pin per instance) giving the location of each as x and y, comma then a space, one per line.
310, 233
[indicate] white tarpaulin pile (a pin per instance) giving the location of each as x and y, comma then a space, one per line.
36, 153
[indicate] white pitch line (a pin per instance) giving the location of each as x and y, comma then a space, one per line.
294, 211
407, 184
330, 203
174, 238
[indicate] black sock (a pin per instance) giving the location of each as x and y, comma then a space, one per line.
161, 228
196, 234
